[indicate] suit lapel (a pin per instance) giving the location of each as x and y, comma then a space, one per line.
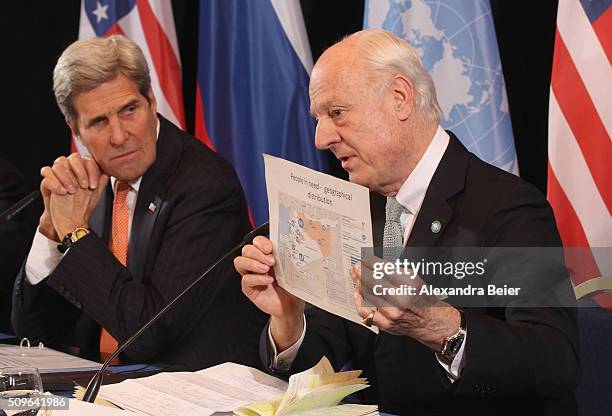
448, 180
377, 211
434, 210
151, 201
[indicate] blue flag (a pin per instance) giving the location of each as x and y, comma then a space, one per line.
457, 44
254, 64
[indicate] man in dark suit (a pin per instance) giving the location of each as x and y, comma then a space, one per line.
132, 243
377, 112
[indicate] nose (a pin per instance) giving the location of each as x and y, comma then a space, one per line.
326, 133
118, 133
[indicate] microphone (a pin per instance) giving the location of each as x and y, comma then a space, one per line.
94, 384
8, 215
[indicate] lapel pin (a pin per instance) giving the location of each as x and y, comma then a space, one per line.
436, 226
153, 207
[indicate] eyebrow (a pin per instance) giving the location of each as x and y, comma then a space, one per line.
133, 101
91, 121
324, 105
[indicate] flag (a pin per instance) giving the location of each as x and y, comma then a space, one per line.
579, 147
150, 24
457, 45
254, 64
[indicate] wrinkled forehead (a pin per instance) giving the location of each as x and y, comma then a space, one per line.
337, 68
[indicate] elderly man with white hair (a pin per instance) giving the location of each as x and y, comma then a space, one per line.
377, 112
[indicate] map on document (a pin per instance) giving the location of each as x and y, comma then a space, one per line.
318, 226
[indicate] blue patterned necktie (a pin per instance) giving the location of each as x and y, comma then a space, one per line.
393, 236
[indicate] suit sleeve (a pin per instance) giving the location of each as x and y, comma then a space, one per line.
200, 224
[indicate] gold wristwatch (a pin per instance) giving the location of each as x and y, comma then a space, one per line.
71, 238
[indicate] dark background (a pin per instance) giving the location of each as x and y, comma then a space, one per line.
33, 34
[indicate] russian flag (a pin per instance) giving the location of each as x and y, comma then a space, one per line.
254, 63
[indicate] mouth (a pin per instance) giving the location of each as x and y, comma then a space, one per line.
346, 161
125, 156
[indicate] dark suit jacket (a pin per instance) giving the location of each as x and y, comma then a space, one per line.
517, 360
200, 213
14, 237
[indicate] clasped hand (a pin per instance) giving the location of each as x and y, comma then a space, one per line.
71, 189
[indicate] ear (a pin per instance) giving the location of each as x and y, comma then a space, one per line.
401, 88
152, 101
73, 129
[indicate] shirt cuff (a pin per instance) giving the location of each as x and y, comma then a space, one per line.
453, 371
42, 259
283, 361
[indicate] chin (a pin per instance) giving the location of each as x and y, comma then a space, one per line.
359, 180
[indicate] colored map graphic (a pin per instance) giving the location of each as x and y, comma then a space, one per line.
309, 244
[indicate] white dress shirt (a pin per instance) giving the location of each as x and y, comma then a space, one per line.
411, 196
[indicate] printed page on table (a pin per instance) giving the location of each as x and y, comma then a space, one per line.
221, 388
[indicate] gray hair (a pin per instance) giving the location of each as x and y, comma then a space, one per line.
88, 63
384, 51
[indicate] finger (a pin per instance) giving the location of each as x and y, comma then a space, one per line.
264, 244
355, 273
255, 253
382, 321
78, 170
61, 169
93, 171
252, 281
245, 265
363, 309
50, 183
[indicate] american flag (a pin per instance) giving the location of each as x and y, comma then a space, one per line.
150, 24
579, 147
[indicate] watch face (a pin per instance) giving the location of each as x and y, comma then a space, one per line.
81, 233
455, 345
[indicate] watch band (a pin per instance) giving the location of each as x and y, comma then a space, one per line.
71, 238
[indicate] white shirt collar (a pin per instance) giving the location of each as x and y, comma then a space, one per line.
412, 192
135, 184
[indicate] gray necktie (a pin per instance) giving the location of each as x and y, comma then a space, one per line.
393, 241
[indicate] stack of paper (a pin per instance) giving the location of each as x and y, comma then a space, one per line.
229, 386
45, 359
221, 388
316, 388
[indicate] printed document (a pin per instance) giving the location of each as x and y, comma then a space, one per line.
318, 226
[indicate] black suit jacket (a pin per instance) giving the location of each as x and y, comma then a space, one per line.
519, 360
189, 211
14, 236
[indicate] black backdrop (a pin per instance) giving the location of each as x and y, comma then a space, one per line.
33, 34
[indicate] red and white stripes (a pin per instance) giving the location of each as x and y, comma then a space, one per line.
580, 120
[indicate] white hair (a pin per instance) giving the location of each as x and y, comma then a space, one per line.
86, 64
384, 51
